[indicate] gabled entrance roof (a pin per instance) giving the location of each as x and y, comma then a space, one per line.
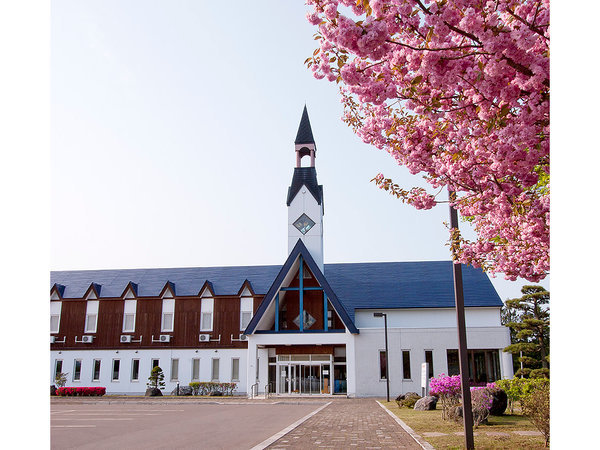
301, 250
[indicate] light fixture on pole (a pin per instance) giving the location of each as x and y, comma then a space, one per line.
387, 360
462, 332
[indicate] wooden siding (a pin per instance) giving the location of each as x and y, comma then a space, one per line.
185, 334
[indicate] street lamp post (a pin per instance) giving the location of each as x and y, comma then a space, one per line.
462, 338
387, 359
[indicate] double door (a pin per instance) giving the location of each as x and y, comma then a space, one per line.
302, 378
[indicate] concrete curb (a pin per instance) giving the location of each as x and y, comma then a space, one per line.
418, 439
264, 444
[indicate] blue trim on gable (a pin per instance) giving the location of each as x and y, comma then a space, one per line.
301, 250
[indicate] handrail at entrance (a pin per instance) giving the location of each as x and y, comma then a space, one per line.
252, 389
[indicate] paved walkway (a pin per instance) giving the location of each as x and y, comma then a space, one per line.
359, 423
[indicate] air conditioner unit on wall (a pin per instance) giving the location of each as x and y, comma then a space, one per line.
126, 338
204, 338
165, 338
87, 339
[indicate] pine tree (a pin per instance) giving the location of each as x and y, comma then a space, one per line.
156, 378
529, 320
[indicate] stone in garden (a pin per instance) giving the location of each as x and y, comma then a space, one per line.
153, 392
499, 402
426, 403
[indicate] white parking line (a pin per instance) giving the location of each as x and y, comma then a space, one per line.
73, 426
77, 414
88, 419
112, 410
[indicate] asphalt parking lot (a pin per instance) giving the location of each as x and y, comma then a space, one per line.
132, 425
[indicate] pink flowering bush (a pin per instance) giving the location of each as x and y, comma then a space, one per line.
447, 389
458, 91
80, 391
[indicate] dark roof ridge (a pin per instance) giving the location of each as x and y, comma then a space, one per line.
305, 176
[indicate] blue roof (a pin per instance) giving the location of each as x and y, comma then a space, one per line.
420, 284
150, 282
423, 284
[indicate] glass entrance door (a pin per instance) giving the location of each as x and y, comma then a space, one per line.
314, 376
311, 379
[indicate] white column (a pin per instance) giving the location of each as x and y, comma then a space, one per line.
506, 365
251, 365
263, 369
350, 365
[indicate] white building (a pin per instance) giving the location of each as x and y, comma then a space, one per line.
302, 328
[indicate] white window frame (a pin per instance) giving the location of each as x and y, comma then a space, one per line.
129, 310
233, 377
168, 309
94, 369
135, 380
80, 369
207, 308
174, 365
246, 307
112, 372
56, 371
212, 369
409, 364
195, 376
425, 360
91, 311
387, 355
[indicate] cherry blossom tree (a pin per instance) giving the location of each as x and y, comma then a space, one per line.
457, 91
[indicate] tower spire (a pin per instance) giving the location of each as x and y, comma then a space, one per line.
305, 196
304, 135
305, 142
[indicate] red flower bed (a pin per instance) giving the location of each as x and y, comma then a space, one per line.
80, 391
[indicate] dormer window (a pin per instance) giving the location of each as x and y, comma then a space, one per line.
246, 307
206, 318
91, 316
168, 312
129, 316
55, 309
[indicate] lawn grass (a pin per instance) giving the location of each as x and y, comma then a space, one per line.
431, 421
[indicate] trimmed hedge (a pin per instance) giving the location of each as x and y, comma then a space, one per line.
212, 388
80, 391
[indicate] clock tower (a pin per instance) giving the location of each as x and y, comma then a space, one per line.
305, 196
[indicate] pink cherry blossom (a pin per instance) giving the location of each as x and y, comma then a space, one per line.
457, 91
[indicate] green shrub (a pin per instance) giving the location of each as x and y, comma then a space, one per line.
536, 406
518, 389
212, 388
195, 387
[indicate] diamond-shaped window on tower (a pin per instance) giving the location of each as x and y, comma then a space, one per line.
304, 223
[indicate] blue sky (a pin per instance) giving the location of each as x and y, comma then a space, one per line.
172, 129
